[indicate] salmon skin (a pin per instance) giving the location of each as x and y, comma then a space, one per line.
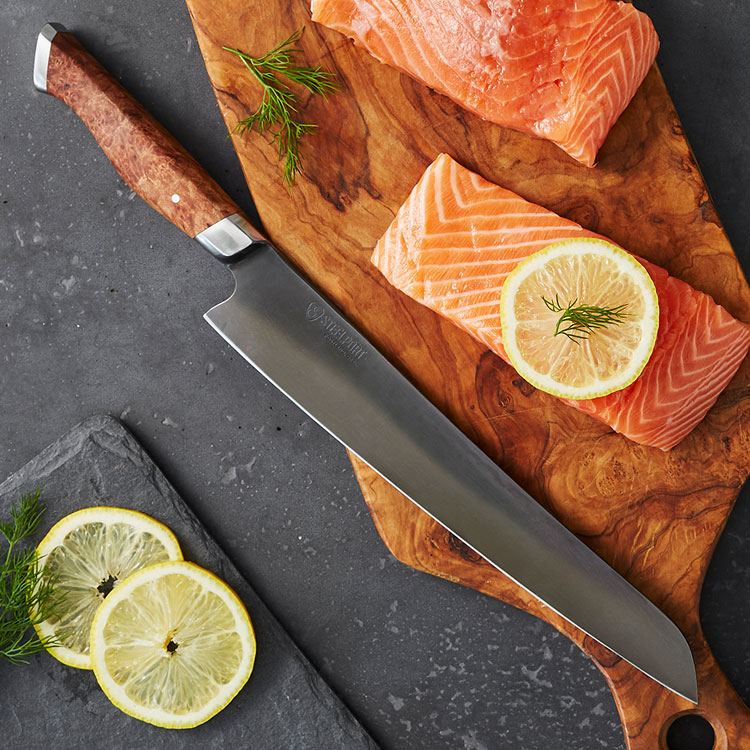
457, 237
563, 70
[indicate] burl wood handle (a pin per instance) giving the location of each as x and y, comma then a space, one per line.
145, 154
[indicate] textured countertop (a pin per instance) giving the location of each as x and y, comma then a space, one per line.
100, 312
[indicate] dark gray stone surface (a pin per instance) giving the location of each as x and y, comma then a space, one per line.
285, 704
100, 311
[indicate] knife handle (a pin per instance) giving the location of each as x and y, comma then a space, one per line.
145, 154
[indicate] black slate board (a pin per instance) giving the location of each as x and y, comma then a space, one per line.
285, 705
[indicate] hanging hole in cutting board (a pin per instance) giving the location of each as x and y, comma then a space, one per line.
690, 732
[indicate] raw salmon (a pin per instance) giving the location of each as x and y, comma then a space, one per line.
559, 69
456, 239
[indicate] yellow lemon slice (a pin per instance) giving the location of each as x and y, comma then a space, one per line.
85, 555
579, 318
172, 645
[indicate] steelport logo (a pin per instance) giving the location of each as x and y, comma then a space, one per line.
335, 333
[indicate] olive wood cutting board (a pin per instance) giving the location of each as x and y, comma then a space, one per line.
654, 516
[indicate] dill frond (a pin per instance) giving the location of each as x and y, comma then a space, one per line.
25, 597
277, 111
578, 322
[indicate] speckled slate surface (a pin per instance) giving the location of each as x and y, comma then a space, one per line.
285, 704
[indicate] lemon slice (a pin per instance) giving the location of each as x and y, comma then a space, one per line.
87, 554
557, 355
172, 645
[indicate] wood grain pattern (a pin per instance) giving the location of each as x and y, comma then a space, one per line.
144, 153
654, 516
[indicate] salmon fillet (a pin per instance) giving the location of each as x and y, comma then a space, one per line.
556, 69
456, 239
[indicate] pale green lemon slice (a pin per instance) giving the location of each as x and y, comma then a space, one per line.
86, 555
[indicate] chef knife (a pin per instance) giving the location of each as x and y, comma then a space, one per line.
300, 343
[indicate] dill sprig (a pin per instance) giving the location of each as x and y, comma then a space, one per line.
25, 597
279, 104
577, 322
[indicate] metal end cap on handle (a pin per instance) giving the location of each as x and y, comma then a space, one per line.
41, 56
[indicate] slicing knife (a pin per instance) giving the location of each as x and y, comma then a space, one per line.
300, 343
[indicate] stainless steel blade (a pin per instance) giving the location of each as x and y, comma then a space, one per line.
295, 339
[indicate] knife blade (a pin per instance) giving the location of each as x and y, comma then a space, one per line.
300, 342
